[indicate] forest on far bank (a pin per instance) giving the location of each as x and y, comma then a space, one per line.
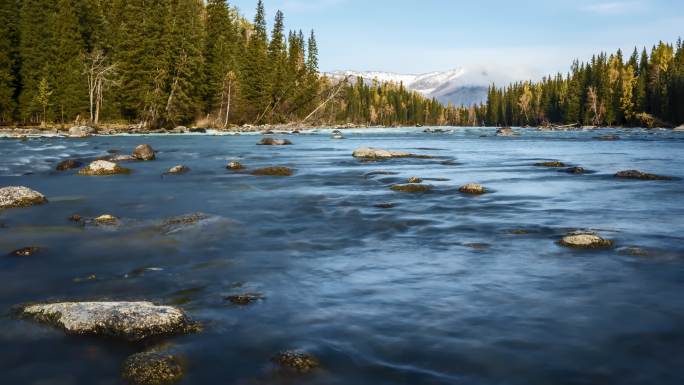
163, 63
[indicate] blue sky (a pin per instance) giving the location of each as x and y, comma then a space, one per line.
526, 37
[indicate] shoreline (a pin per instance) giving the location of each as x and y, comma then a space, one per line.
279, 129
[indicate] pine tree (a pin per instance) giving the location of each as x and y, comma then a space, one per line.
221, 54
70, 85
255, 82
9, 60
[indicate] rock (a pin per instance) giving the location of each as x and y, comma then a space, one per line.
635, 251
576, 170
274, 142
338, 136
635, 174
273, 171
245, 299
103, 168
180, 169
477, 246
554, 163
106, 219
412, 188
585, 241
198, 130
120, 158
132, 321
415, 180
376, 153
505, 131
608, 137
385, 205
152, 368
680, 128
174, 224
235, 166
143, 152
19, 196
24, 252
68, 165
81, 131
473, 189
298, 362
75, 218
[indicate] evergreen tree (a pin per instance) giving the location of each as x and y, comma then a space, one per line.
9, 59
70, 86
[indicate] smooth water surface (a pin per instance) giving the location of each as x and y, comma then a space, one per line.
441, 289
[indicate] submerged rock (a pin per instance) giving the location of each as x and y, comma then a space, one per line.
385, 205
274, 142
75, 218
176, 223
235, 166
273, 171
608, 137
121, 158
473, 189
551, 164
180, 169
576, 170
376, 153
585, 241
143, 152
636, 174
245, 299
68, 164
635, 251
103, 168
298, 362
20, 196
132, 321
24, 252
412, 188
415, 179
152, 368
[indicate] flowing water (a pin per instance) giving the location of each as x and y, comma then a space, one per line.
440, 289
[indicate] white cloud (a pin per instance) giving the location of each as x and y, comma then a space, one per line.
613, 7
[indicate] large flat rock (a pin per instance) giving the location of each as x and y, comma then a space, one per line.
133, 321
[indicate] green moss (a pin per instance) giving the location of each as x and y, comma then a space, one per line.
273, 171
151, 368
411, 188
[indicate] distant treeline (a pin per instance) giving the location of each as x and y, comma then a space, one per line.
171, 62
610, 90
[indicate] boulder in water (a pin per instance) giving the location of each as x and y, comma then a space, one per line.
81, 131
106, 219
19, 196
576, 170
273, 171
152, 368
554, 163
235, 166
296, 361
505, 131
103, 168
274, 142
143, 152
377, 153
472, 189
415, 179
412, 188
585, 241
636, 174
68, 164
132, 321
24, 252
245, 299
180, 169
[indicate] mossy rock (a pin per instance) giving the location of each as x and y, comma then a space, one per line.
415, 179
636, 174
585, 241
24, 251
245, 299
103, 168
235, 166
19, 196
68, 164
472, 189
152, 368
554, 163
411, 188
273, 171
295, 361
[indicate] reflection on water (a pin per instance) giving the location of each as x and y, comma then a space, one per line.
382, 287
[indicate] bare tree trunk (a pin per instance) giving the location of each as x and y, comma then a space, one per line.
225, 124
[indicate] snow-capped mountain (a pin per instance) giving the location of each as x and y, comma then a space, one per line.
460, 86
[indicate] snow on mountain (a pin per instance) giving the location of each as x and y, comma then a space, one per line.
459, 86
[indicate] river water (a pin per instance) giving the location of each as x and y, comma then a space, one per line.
440, 289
